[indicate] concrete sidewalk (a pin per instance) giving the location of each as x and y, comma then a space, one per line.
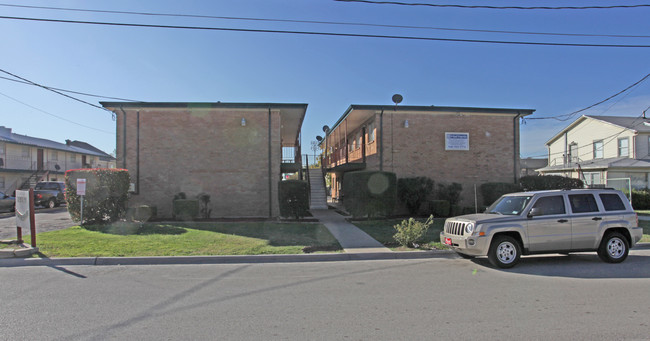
351, 238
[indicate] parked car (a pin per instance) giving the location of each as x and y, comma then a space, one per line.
49, 193
559, 221
7, 202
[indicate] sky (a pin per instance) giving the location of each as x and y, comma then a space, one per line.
327, 72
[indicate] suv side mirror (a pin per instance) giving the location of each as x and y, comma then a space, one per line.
535, 211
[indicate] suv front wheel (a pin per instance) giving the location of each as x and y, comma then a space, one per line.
504, 252
614, 248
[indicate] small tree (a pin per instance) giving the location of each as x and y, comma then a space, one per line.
414, 191
411, 231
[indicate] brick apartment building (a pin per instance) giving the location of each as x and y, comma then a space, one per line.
470, 146
231, 151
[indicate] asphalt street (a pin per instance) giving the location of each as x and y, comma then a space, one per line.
47, 219
575, 297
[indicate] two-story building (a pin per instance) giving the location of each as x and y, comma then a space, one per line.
25, 160
234, 152
602, 150
470, 146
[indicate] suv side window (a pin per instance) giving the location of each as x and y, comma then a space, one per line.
612, 202
550, 205
583, 203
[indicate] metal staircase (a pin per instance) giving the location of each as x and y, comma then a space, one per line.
318, 195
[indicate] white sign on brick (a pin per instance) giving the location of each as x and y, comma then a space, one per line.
456, 141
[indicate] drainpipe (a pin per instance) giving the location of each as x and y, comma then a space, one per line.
515, 128
270, 170
137, 153
381, 140
123, 138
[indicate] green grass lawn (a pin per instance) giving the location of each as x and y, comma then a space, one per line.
383, 231
186, 239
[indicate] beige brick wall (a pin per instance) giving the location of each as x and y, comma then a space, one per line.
203, 150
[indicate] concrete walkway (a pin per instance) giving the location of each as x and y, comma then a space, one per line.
351, 238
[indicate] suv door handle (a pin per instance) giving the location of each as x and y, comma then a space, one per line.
562, 221
596, 218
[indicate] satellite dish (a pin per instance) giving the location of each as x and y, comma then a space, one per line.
57, 167
397, 99
326, 128
319, 138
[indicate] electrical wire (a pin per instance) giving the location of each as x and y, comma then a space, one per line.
57, 116
331, 34
492, 7
71, 91
324, 22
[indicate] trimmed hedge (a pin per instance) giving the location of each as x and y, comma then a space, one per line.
491, 191
641, 199
106, 194
369, 193
450, 192
185, 209
440, 208
293, 196
414, 191
546, 182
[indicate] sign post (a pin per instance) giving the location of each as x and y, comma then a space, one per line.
25, 215
81, 191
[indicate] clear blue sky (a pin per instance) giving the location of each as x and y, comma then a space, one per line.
329, 73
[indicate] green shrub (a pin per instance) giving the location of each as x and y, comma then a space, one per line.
204, 201
185, 209
546, 182
414, 191
294, 198
410, 231
450, 192
106, 194
456, 210
369, 193
440, 208
641, 199
491, 191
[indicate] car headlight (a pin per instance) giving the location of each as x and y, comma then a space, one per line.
469, 228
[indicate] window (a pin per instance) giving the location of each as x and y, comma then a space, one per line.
612, 202
573, 152
25, 152
54, 155
359, 140
624, 147
598, 149
592, 178
2, 148
73, 157
583, 203
371, 132
550, 205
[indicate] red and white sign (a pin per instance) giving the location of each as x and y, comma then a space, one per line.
81, 186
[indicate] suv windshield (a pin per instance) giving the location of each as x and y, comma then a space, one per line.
509, 205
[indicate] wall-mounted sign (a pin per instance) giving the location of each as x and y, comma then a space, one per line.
456, 141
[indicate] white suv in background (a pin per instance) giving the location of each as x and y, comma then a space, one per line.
559, 221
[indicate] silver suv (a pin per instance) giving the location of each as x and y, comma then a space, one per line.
560, 221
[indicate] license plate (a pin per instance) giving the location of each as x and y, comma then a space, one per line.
448, 241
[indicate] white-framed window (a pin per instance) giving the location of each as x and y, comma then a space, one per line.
598, 149
371, 132
592, 178
25, 152
73, 157
54, 155
624, 147
573, 153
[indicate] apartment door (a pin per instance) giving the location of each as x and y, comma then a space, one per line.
83, 161
39, 159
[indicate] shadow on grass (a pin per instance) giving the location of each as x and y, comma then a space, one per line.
128, 228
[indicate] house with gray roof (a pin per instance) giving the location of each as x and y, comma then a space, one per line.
611, 151
26, 160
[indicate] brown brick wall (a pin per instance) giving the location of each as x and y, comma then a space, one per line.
203, 150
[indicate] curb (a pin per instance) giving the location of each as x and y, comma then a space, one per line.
190, 260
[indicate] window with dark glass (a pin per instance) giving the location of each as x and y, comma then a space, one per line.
550, 205
583, 203
612, 202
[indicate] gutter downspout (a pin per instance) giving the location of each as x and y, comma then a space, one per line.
137, 154
381, 140
515, 152
270, 170
123, 138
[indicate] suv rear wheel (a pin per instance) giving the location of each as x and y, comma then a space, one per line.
614, 248
504, 252
51, 203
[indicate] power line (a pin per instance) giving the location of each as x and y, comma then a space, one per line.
332, 34
568, 116
57, 92
59, 117
492, 7
325, 22
71, 91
